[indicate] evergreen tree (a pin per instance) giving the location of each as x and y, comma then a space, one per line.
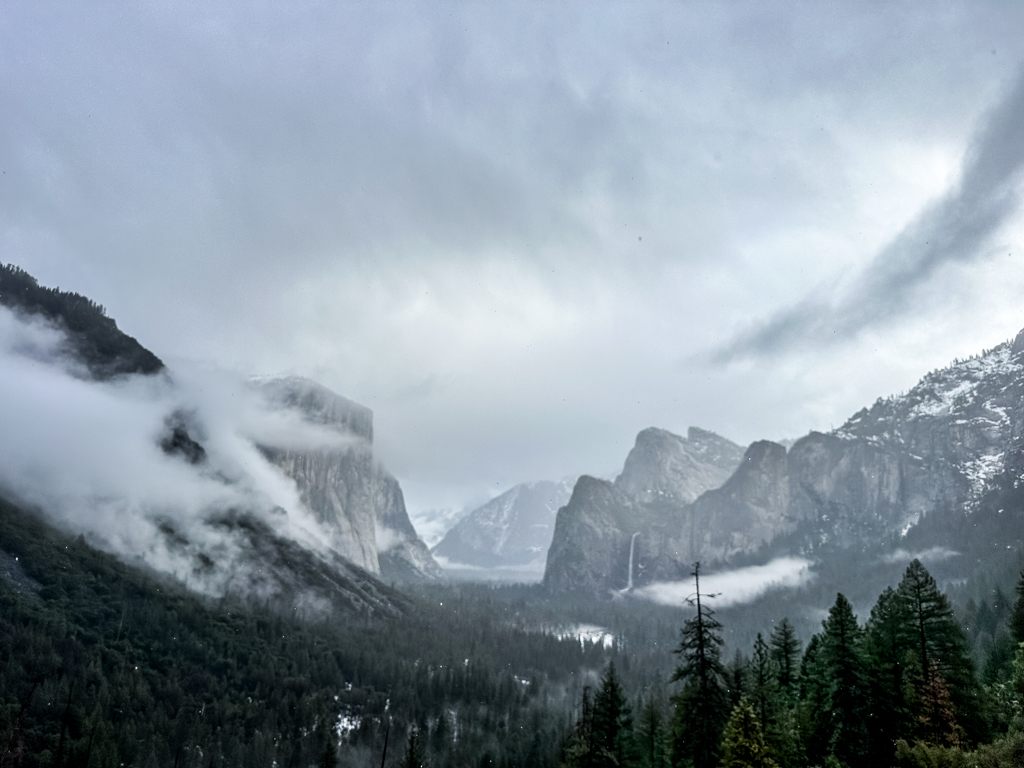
843, 667
650, 738
329, 757
936, 644
885, 653
581, 749
612, 726
763, 685
1017, 616
743, 744
785, 653
702, 706
736, 675
414, 756
936, 716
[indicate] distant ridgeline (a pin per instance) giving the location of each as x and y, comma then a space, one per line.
94, 338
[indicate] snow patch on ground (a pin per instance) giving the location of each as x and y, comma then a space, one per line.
346, 725
982, 469
586, 633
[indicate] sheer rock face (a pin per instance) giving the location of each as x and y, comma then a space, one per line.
668, 467
344, 486
884, 473
745, 513
513, 529
663, 473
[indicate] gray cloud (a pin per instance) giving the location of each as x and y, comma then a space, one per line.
736, 587
501, 226
956, 228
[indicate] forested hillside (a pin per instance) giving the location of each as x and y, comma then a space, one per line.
94, 338
103, 665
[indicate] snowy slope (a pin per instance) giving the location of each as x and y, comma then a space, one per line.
513, 529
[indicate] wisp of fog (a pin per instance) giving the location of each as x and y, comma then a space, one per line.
87, 454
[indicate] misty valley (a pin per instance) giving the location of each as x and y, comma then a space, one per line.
619, 384
205, 570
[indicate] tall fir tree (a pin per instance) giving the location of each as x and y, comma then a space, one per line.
763, 684
843, 666
612, 725
885, 652
743, 744
937, 646
581, 749
329, 756
415, 755
1017, 615
785, 653
812, 713
702, 705
651, 735
736, 677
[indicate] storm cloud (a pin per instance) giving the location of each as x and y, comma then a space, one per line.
514, 231
958, 227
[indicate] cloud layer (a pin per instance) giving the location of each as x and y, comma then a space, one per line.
736, 587
958, 227
513, 231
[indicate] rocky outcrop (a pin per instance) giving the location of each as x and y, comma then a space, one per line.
663, 474
344, 486
513, 529
744, 514
914, 460
667, 467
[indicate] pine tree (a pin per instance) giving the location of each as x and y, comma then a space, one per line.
785, 653
936, 716
612, 723
743, 744
414, 756
936, 643
650, 737
885, 653
580, 752
843, 667
736, 675
763, 685
1017, 616
329, 755
702, 706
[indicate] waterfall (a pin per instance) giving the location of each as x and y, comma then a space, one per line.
632, 551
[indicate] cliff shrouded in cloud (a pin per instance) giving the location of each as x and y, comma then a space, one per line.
232, 486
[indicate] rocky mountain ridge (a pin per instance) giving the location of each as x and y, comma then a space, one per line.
888, 470
663, 474
345, 487
512, 529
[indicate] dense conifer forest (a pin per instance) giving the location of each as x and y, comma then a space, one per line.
102, 664
93, 337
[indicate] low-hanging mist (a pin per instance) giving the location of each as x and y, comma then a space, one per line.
88, 455
735, 587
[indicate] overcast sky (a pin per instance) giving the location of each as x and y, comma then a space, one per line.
523, 232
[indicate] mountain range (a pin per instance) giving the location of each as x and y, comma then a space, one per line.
513, 529
911, 468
